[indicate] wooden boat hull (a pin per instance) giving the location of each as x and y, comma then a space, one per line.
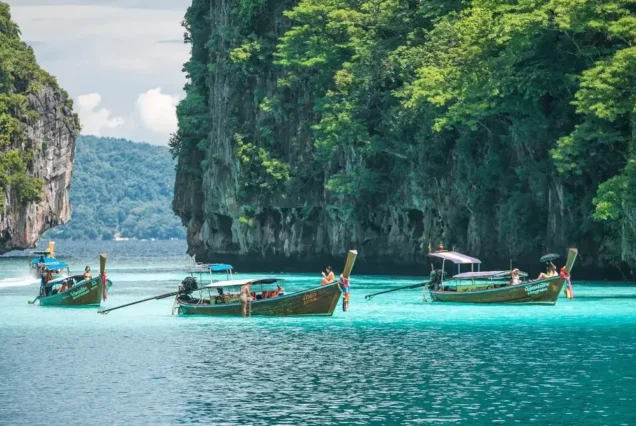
315, 301
543, 292
87, 293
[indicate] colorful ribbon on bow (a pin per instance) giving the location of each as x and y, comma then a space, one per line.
569, 292
344, 285
105, 282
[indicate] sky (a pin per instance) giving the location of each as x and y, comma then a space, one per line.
120, 60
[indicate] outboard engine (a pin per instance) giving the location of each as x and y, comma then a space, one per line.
437, 276
188, 285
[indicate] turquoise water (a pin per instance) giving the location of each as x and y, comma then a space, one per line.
391, 360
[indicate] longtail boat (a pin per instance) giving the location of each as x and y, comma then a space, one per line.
76, 290
44, 261
314, 301
222, 298
488, 286
544, 291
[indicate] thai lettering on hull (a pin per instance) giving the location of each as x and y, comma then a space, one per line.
310, 298
536, 288
79, 293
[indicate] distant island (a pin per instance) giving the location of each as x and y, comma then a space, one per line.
121, 190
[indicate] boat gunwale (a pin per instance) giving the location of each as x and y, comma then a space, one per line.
494, 290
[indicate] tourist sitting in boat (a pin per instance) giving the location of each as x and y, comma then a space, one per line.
550, 273
514, 277
65, 286
279, 290
87, 273
329, 277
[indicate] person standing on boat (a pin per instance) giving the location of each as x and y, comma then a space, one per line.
42, 283
245, 298
49, 277
328, 277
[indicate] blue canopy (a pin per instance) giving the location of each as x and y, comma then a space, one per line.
209, 267
219, 267
50, 263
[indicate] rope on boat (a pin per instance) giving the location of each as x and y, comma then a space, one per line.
407, 287
161, 296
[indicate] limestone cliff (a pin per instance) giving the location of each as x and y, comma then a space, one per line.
37, 147
280, 231
295, 142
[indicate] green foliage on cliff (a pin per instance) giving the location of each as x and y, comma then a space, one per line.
20, 76
121, 187
515, 118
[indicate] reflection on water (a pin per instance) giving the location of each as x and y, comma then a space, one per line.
392, 360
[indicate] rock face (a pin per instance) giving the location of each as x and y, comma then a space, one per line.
303, 225
283, 232
51, 139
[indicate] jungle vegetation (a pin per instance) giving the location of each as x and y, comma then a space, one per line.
517, 118
20, 76
120, 188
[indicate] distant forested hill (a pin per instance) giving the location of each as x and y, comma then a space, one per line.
121, 187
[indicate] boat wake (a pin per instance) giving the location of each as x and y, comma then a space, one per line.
18, 282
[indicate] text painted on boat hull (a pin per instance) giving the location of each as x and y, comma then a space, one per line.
536, 288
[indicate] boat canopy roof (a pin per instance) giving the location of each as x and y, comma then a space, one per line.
213, 267
51, 263
219, 267
78, 279
487, 275
239, 283
40, 253
455, 257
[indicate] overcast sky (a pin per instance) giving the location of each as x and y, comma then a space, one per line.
120, 60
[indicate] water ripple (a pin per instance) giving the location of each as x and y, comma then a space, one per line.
393, 360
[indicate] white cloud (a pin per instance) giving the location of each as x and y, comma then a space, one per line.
115, 48
95, 120
89, 102
158, 111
